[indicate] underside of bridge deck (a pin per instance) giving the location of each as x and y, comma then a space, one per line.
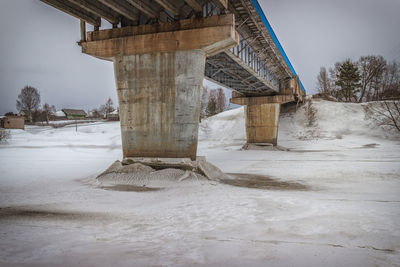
254, 67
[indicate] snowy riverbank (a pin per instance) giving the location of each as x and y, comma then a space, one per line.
346, 213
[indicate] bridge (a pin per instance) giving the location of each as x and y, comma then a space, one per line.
163, 49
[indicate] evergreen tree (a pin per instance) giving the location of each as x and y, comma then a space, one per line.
348, 81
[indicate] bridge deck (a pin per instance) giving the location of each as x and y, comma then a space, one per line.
257, 66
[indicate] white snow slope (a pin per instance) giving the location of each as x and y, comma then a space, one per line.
348, 215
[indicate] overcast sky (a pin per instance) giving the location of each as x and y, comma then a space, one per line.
38, 46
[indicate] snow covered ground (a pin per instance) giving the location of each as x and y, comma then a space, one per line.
345, 213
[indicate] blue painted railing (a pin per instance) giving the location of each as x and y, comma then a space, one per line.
277, 43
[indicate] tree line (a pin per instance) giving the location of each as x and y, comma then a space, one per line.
28, 105
103, 110
212, 102
371, 78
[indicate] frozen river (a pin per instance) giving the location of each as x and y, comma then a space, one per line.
343, 211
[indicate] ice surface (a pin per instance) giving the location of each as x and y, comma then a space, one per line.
344, 212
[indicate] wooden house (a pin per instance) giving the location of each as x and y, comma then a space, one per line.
74, 114
12, 122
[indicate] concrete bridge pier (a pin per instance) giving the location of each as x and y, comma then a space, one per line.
159, 100
262, 123
262, 117
159, 71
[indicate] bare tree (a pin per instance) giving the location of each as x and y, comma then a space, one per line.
212, 103
310, 113
324, 82
102, 111
385, 114
221, 100
28, 101
4, 135
109, 106
390, 83
48, 110
333, 77
95, 113
203, 102
371, 71
105, 109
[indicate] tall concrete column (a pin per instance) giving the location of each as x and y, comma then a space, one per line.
159, 100
262, 123
159, 71
262, 116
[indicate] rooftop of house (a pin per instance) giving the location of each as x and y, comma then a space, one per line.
74, 112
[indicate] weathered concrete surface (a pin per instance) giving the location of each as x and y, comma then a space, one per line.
159, 100
262, 118
159, 71
262, 123
258, 100
212, 35
292, 87
173, 26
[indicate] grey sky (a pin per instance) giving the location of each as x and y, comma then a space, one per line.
38, 46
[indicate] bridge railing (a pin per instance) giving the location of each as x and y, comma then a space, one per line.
248, 56
245, 52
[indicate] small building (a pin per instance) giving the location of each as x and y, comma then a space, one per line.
74, 114
12, 122
58, 116
113, 116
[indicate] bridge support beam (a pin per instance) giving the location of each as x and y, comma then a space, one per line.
159, 71
262, 117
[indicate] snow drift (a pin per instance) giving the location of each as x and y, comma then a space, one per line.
333, 121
